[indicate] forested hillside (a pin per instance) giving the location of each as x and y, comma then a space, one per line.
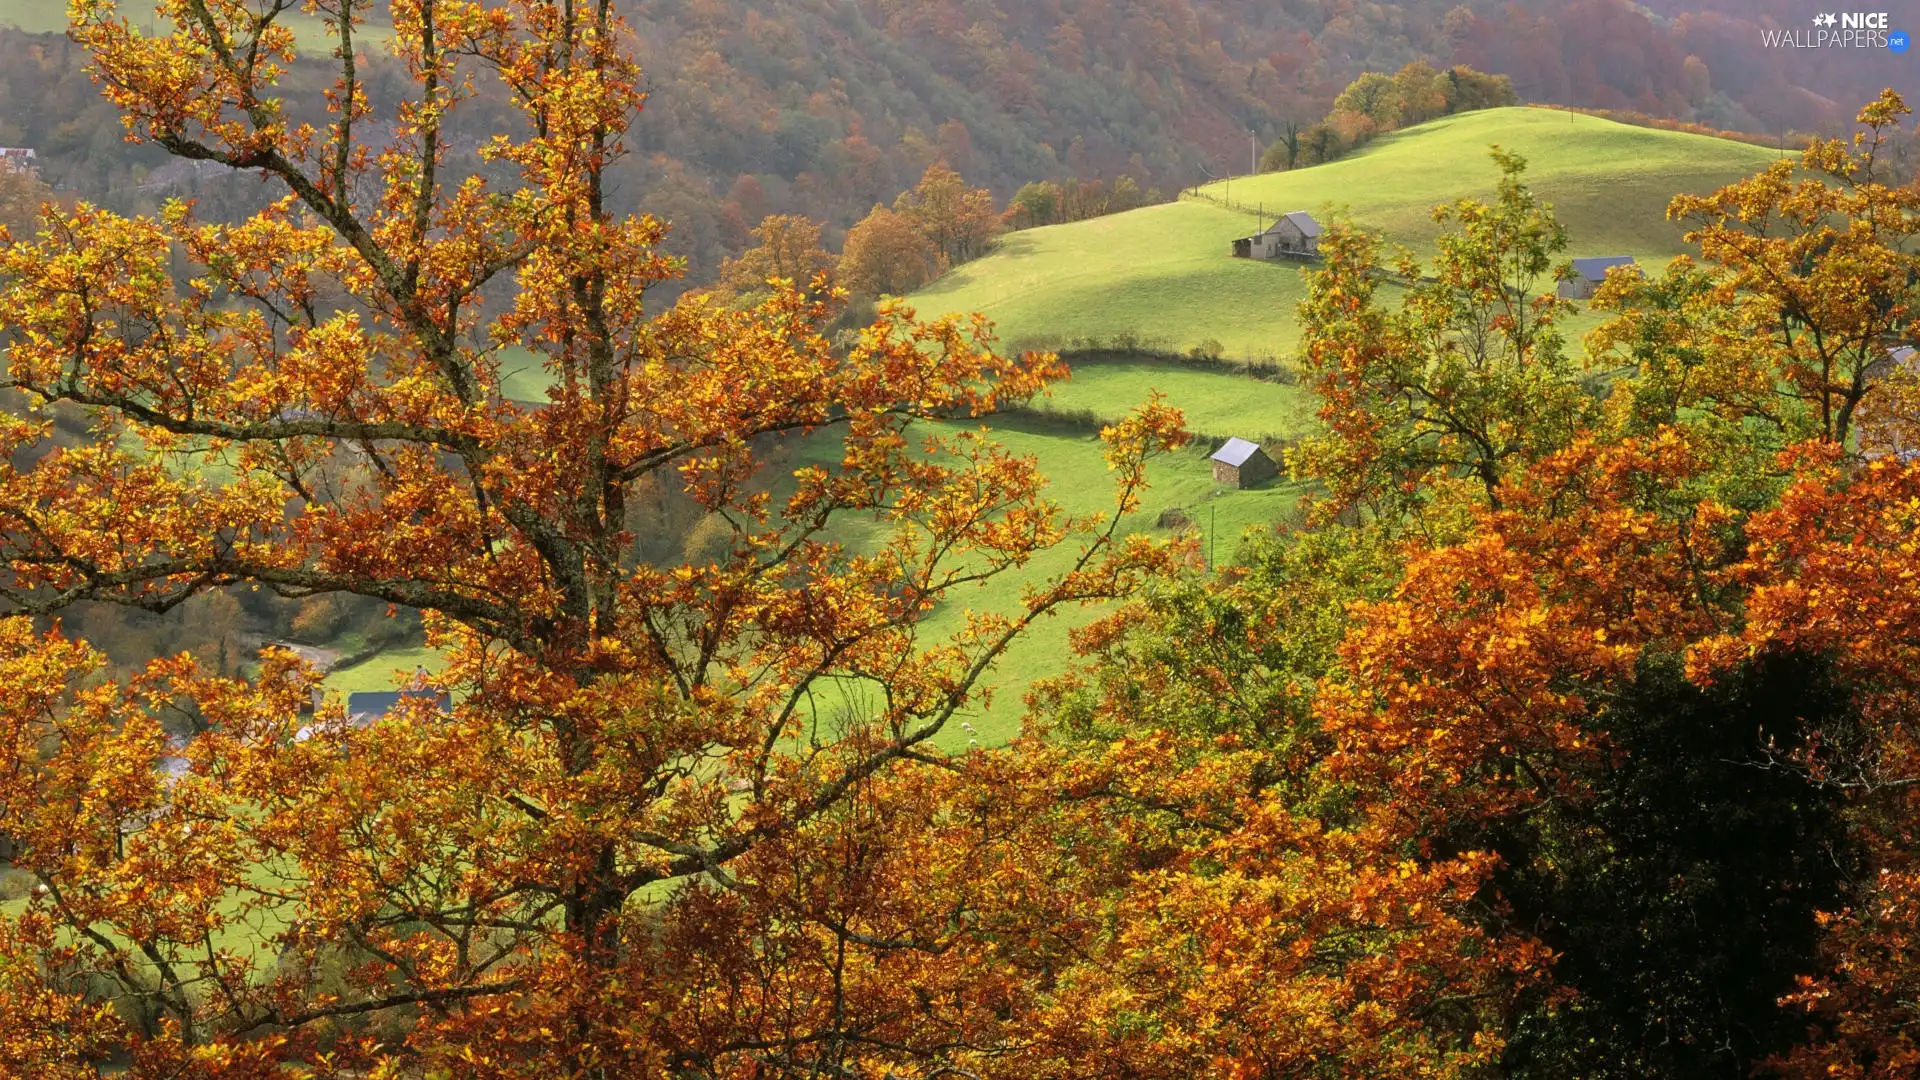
823, 108
1700, 60
826, 107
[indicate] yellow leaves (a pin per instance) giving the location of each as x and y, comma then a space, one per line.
638, 798
1883, 111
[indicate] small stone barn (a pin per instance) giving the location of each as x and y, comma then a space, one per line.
1242, 464
1590, 274
1294, 235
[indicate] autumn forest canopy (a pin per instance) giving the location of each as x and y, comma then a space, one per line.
1563, 726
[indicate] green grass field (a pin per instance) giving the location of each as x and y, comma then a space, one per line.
1161, 273
1080, 481
383, 671
1216, 403
1164, 273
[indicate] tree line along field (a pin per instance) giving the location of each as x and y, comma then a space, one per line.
1161, 276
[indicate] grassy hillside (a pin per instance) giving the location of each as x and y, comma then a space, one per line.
1164, 273
1609, 183
1080, 481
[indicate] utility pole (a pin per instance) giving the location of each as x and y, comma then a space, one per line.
1213, 511
1253, 152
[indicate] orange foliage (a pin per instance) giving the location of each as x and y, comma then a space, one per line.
640, 840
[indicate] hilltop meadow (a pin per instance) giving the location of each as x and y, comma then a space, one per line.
1161, 275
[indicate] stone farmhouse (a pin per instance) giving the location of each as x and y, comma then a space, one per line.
1242, 464
1294, 235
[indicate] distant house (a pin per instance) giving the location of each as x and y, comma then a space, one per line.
18, 159
1242, 464
1590, 274
368, 706
1294, 235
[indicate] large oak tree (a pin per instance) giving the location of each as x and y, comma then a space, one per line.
674, 818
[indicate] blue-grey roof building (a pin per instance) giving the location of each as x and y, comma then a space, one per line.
366, 707
1590, 274
1242, 464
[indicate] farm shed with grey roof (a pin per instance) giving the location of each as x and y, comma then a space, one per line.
1590, 274
1242, 464
1296, 234
367, 706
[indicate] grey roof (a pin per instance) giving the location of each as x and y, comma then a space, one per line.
379, 703
1596, 269
1301, 220
1902, 355
1236, 452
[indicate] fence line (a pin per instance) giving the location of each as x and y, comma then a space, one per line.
1223, 202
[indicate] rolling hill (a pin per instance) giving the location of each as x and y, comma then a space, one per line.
1163, 274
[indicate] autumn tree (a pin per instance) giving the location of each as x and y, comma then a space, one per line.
1376, 103
1420, 93
1035, 204
957, 220
1270, 926
1284, 152
1321, 143
1816, 271
1829, 569
646, 840
1125, 195
1467, 381
1373, 96
788, 249
21, 195
1468, 90
1656, 665
1528, 690
886, 256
